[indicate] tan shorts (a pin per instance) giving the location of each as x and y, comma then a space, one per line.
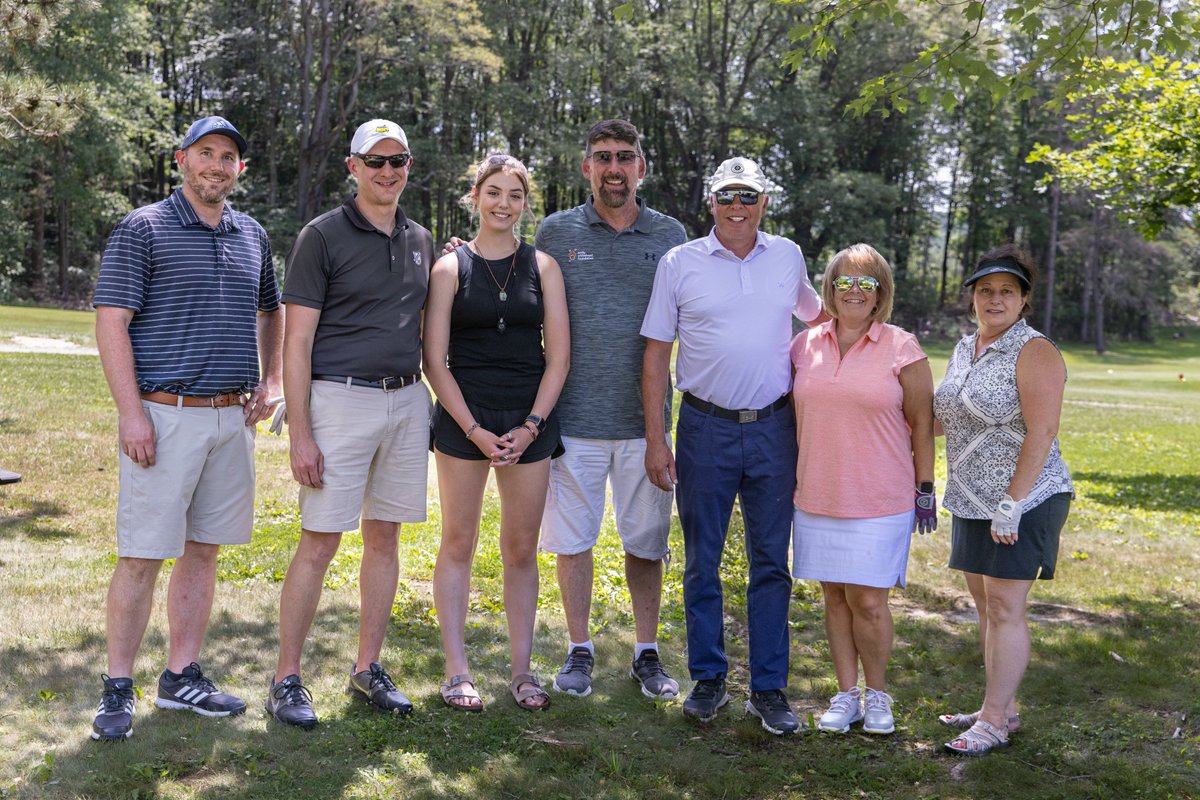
200, 489
376, 448
575, 500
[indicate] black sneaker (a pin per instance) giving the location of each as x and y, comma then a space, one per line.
706, 698
772, 708
290, 703
575, 677
656, 684
376, 687
194, 692
114, 716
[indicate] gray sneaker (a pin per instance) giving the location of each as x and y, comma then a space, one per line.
656, 684
375, 686
575, 677
290, 703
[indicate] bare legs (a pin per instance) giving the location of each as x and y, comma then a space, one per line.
522, 498
189, 604
858, 624
1004, 640
378, 576
643, 577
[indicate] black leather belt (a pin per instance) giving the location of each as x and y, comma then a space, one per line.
389, 384
742, 415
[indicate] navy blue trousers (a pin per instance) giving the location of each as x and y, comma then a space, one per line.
718, 460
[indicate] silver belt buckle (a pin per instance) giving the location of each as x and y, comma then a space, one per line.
747, 415
391, 384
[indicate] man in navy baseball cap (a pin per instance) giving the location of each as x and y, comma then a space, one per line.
219, 125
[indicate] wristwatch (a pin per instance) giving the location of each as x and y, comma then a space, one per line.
539, 422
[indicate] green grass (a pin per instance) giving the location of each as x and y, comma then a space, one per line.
1095, 726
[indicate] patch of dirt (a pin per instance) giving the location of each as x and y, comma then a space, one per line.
41, 344
963, 612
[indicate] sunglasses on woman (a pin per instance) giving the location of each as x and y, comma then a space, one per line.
398, 161
845, 283
747, 197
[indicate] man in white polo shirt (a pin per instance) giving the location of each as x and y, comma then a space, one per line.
730, 298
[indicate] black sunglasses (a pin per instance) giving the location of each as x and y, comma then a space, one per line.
748, 198
623, 157
398, 161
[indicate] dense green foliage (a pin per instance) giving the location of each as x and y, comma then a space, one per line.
932, 188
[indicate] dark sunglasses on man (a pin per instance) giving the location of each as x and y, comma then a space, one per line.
398, 161
624, 157
748, 197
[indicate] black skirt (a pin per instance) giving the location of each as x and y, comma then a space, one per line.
1035, 554
447, 437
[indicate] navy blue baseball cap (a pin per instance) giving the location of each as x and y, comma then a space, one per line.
203, 127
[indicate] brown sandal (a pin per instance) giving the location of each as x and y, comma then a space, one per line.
526, 697
455, 695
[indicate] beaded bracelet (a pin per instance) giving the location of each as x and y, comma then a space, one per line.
472, 429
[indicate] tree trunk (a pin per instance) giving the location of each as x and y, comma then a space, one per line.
1052, 244
64, 246
1090, 277
37, 221
951, 208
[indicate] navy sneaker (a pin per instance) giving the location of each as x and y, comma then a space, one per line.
706, 699
290, 703
191, 691
773, 710
376, 687
114, 716
656, 684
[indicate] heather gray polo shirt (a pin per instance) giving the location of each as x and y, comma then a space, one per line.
369, 287
609, 276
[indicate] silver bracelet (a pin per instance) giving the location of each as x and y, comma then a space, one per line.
472, 429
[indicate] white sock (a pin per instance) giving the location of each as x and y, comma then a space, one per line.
591, 648
641, 647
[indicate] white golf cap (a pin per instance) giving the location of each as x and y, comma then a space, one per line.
375, 131
738, 171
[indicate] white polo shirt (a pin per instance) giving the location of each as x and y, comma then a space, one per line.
733, 317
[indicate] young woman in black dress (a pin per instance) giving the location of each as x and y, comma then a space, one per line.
491, 305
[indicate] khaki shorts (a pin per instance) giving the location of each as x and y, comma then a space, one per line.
200, 489
575, 500
376, 448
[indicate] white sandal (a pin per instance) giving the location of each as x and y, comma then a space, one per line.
978, 740
964, 721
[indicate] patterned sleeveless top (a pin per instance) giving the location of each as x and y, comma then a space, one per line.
980, 410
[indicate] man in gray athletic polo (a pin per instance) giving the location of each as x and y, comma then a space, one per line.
608, 248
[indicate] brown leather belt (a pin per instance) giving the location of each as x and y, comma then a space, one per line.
188, 401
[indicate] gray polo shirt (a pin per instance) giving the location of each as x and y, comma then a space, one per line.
609, 276
369, 287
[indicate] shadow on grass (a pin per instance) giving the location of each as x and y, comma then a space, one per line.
1094, 726
1149, 491
34, 519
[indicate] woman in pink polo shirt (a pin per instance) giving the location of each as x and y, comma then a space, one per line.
863, 394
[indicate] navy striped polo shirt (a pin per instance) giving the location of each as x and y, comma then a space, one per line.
195, 292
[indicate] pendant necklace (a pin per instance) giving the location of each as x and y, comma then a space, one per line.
502, 294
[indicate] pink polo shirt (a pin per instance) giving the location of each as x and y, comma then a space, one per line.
856, 457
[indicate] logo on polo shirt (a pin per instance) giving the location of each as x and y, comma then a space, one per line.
650, 256
417, 257
579, 255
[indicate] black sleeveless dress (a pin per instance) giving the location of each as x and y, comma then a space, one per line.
495, 352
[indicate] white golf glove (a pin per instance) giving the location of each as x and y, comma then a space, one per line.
1007, 517
278, 420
